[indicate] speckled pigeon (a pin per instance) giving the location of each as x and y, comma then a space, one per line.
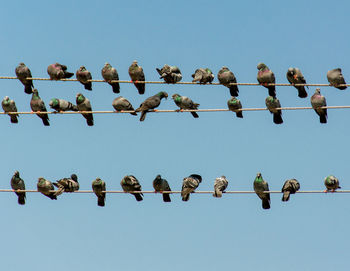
185, 103
45, 186
203, 76
226, 77
109, 73
83, 104
317, 100
335, 78
136, 74
259, 187
62, 105
67, 185
22, 73
98, 186
266, 76
58, 71
331, 183
10, 106
220, 185
122, 104
17, 183
190, 184
234, 105
38, 105
83, 75
290, 187
129, 184
161, 185
272, 103
294, 76
170, 74
151, 103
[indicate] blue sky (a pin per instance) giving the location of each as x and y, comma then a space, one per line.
307, 233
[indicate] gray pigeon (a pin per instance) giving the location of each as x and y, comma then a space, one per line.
220, 185
266, 76
98, 186
10, 106
170, 74
161, 185
234, 105
272, 103
203, 76
290, 187
22, 73
190, 184
62, 105
259, 187
83, 104
109, 73
331, 183
122, 104
335, 78
136, 74
83, 76
45, 187
226, 77
151, 103
58, 71
67, 185
18, 184
185, 103
294, 76
317, 100
38, 105
130, 184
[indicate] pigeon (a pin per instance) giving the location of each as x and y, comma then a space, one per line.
83, 104
331, 183
83, 75
45, 186
290, 187
38, 105
67, 185
259, 187
226, 77
335, 78
98, 186
109, 73
272, 103
266, 76
136, 74
190, 184
122, 104
170, 74
203, 76
151, 103
62, 105
317, 100
10, 106
58, 71
161, 185
234, 105
220, 185
129, 184
18, 184
185, 103
294, 76
22, 73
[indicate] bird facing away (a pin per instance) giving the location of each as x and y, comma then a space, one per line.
234, 105
130, 184
185, 103
290, 187
136, 74
45, 187
170, 74
99, 186
161, 185
67, 185
190, 184
109, 74
38, 105
260, 185
294, 76
226, 77
331, 183
10, 106
151, 103
83, 76
22, 73
58, 71
335, 78
220, 185
266, 76
203, 76
18, 184
83, 104
317, 101
122, 104
272, 103
62, 105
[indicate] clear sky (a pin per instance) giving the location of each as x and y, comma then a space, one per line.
310, 232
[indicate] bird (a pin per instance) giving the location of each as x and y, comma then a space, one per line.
9, 106
170, 74
161, 185
266, 76
290, 187
335, 78
22, 73
294, 76
318, 100
260, 185
46, 188
226, 77
189, 184
83, 104
129, 183
220, 185
203, 76
234, 105
272, 103
67, 184
122, 104
17, 183
62, 105
109, 73
83, 76
185, 103
98, 186
332, 183
38, 105
151, 103
58, 71
136, 74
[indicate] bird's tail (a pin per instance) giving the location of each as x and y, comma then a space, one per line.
143, 115
285, 196
217, 193
266, 204
13, 119
101, 200
138, 196
342, 88
195, 115
302, 92
272, 91
134, 113
115, 87
90, 121
277, 118
185, 196
60, 189
52, 196
239, 114
45, 120
323, 118
140, 87
166, 197
21, 198
88, 85
28, 88
68, 75
234, 91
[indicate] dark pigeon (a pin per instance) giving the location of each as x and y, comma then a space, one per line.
185, 103
109, 74
290, 187
234, 105
58, 71
136, 74
22, 73
294, 76
272, 103
99, 186
83, 76
226, 77
130, 184
317, 101
260, 186
17, 183
10, 106
38, 105
161, 185
83, 104
151, 103
189, 185
266, 76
